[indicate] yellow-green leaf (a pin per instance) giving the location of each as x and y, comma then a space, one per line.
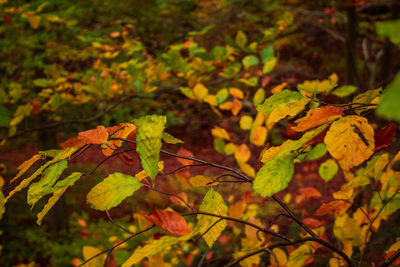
2, 209
258, 97
344, 90
167, 138
317, 86
149, 143
246, 122
389, 107
241, 39
328, 169
350, 140
155, 247
25, 166
274, 175
49, 177
212, 203
112, 191
58, 189
88, 252
269, 66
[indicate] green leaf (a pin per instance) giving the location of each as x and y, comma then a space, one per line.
281, 98
274, 175
4, 116
61, 154
155, 247
222, 95
187, 92
148, 140
389, 106
250, 60
328, 169
112, 191
215, 204
58, 189
269, 66
241, 39
49, 177
41, 82
344, 90
389, 29
259, 97
317, 152
267, 53
167, 138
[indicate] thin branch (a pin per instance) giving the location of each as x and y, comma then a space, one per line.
208, 229
172, 194
203, 258
117, 245
184, 167
243, 176
261, 229
392, 258
116, 224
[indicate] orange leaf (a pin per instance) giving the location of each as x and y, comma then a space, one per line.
312, 223
336, 207
309, 192
170, 221
236, 106
242, 153
319, 138
236, 210
94, 136
318, 117
235, 92
72, 142
185, 153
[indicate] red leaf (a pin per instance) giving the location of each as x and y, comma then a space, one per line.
35, 106
312, 223
7, 19
319, 138
170, 221
384, 137
94, 136
185, 153
126, 158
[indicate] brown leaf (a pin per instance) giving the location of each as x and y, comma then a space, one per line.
318, 117
384, 137
312, 223
170, 221
94, 136
72, 142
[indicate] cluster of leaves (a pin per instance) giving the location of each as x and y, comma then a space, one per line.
232, 80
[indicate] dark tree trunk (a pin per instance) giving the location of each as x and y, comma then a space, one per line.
351, 46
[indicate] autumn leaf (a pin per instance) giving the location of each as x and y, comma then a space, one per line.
236, 210
149, 143
200, 91
220, 132
25, 166
236, 107
155, 247
235, 92
282, 104
88, 252
246, 122
73, 142
112, 191
185, 153
318, 117
167, 138
274, 175
94, 136
350, 140
170, 221
336, 207
328, 169
317, 86
242, 153
384, 137
212, 203
201, 180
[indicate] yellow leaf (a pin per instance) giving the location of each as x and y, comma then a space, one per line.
200, 91
278, 88
242, 153
289, 109
350, 140
201, 180
246, 122
235, 92
230, 148
236, 107
280, 256
226, 105
247, 169
212, 100
142, 174
220, 132
34, 21
273, 151
88, 252
344, 194
212, 203
25, 166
